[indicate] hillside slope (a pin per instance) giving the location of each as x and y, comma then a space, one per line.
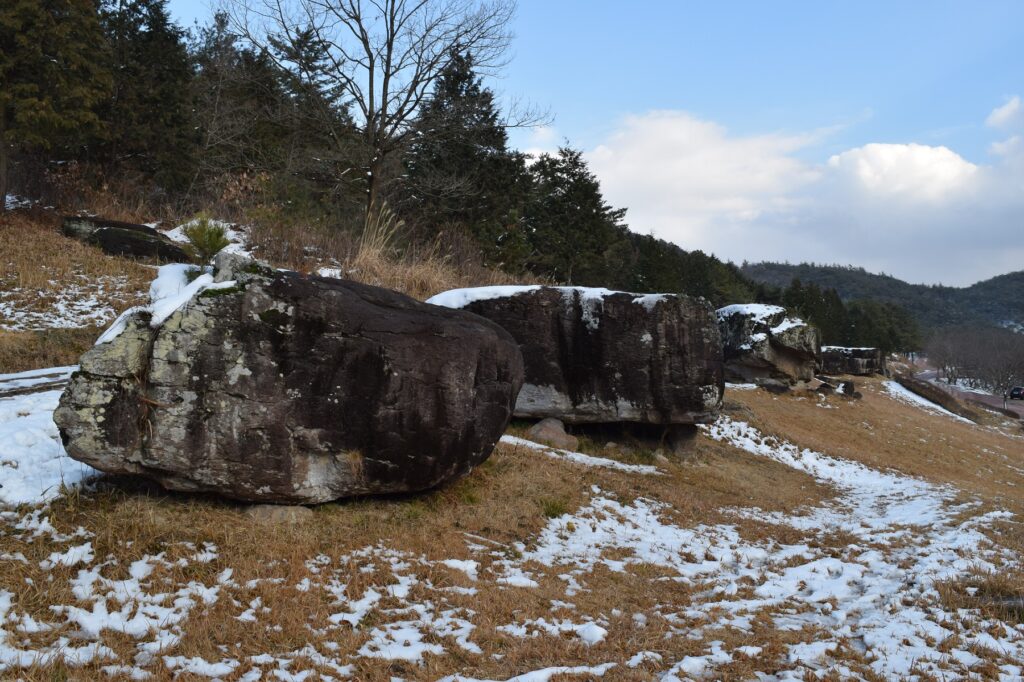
994, 301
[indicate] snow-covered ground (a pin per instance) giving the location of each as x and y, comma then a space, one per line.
84, 301
866, 604
33, 464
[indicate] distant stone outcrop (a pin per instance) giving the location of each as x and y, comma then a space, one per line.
278, 387
855, 361
765, 346
124, 239
600, 356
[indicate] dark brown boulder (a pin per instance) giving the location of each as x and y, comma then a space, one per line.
279, 387
765, 346
594, 355
124, 239
855, 361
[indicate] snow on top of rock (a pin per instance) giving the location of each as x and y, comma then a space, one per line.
845, 349
762, 313
460, 298
758, 311
591, 298
788, 323
169, 291
334, 273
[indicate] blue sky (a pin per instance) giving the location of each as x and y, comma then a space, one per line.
879, 134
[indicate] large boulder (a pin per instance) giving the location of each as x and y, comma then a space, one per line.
765, 346
124, 239
855, 361
599, 356
277, 387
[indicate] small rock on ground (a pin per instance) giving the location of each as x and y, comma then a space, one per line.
551, 432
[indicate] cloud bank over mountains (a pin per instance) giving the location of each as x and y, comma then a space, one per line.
920, 212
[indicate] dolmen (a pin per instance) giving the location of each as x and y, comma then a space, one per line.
836, 360
123, 239
272, 386
764, 345
598, 356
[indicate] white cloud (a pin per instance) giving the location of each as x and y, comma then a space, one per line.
920, 212
1008, 115
912, 171
542, 140
681, 176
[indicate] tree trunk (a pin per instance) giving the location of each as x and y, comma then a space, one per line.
373, 185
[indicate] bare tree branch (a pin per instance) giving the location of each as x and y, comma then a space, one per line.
384, 55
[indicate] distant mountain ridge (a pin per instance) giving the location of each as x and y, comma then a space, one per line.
998, 301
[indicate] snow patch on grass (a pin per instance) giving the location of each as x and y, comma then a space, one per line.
903, 395
83, 302
33, 464
580, 458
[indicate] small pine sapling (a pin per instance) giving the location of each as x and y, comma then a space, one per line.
206, 237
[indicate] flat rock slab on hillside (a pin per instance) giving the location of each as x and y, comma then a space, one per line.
855, 361
124, 239
277, 387
600, 356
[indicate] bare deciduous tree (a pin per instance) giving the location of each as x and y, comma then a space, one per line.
381, 57
984, 357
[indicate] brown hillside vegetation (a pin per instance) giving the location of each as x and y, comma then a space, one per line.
284, 592
502, 506
884, 433
41, 270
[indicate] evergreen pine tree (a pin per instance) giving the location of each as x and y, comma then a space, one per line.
149, 115
571, 228
51, 76
458, 167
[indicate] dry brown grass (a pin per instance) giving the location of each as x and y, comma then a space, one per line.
21, 351
884, 433
371, 255
40, 269
996, 594
502, 501
35, 254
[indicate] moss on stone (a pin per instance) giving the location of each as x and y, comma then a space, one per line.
226, 291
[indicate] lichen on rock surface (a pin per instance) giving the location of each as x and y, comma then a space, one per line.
293, 389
